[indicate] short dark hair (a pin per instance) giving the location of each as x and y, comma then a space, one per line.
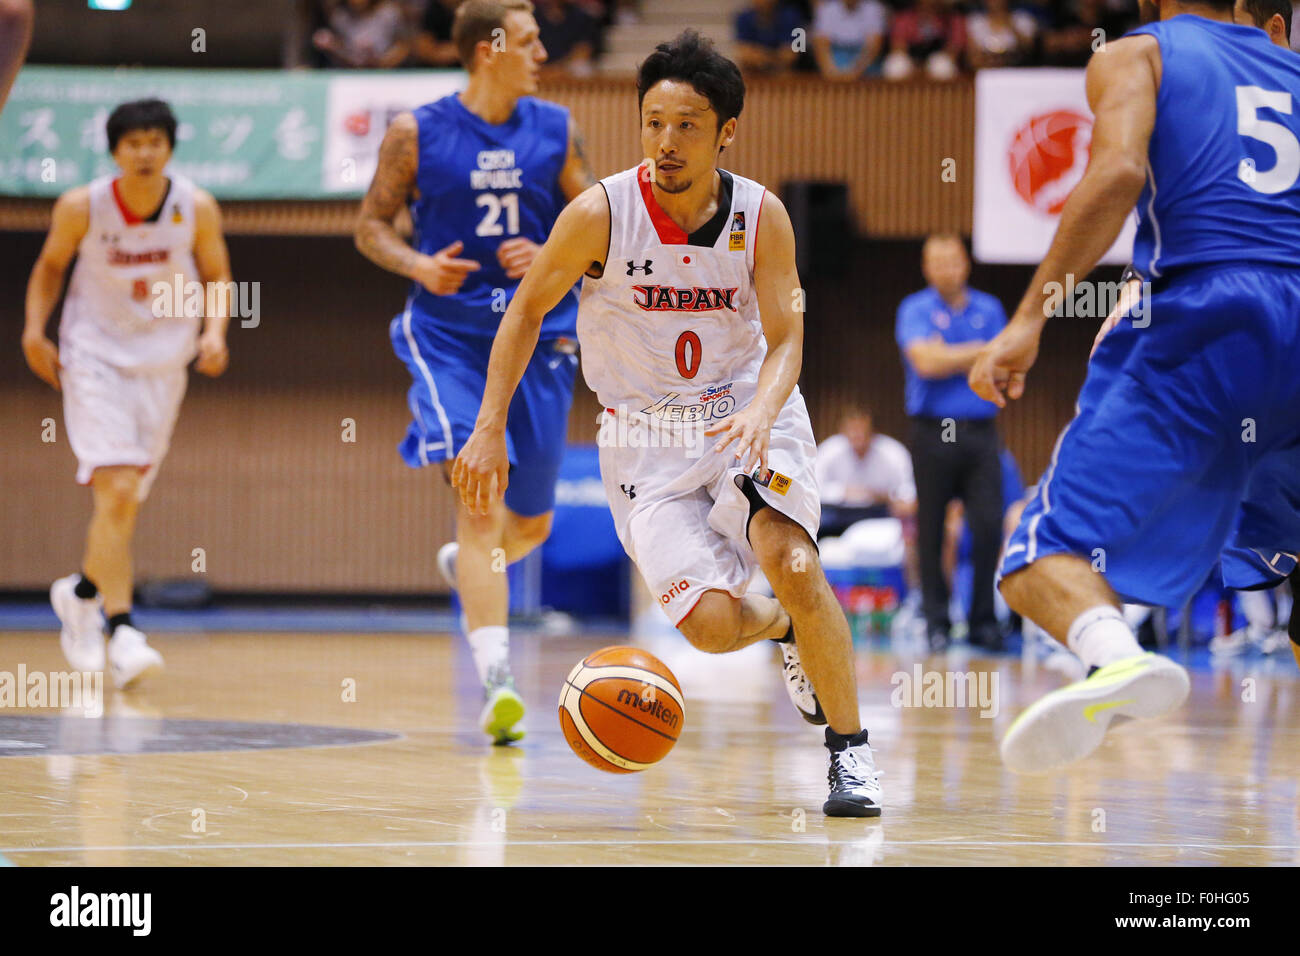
855, 412
477, 21
141, 114
936, 237
1261, 11
693, 59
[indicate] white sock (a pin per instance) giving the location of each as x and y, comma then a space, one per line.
1258, 608
1101, 636
1136, 614
1283, 598
491, 649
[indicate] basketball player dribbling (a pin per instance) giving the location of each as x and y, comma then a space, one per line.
1187, 425
485, 173
120, 365
690, 327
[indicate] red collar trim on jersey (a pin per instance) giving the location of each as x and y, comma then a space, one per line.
670, 234
131, 218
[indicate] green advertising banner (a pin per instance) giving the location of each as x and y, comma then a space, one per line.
243, 134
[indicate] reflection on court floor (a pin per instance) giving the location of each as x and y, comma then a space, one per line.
348, 749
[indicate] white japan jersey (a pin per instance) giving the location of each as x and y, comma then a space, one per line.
111, 310
671, 329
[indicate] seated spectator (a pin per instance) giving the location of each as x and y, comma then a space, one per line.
364, 33
998, 36
765, 36
931, 35
1043, 12
862, 474
432, 45
847, 36
624, 11
1080, 30
568, 32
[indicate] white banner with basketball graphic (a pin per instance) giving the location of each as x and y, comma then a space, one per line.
1033, 133
358, 109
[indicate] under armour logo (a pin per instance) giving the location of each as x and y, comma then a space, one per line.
629, 490
633, 267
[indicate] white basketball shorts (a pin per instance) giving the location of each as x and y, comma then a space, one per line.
679, 512
118, 417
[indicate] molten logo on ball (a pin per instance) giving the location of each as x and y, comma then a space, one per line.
647, 704
1048, 156
621, 709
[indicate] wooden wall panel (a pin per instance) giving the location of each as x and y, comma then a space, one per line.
260, 478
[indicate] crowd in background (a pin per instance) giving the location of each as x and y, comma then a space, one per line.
389, 34
853, 39
841, 39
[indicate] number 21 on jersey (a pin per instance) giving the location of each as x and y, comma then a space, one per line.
490, 224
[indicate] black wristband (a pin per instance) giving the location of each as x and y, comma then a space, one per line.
1130, 273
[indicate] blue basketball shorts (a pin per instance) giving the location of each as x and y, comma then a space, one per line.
1274, 489
449, 373
1184, 429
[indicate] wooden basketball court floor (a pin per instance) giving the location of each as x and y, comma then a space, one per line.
246, 752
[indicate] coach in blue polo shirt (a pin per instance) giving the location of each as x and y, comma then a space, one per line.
954, 439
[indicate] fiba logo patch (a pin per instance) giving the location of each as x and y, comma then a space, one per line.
771, 479
737, 238
1047, 158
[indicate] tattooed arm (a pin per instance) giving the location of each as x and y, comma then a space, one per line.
375, 235
377, 238
577, 174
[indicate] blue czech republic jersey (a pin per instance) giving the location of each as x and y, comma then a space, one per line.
1224, 158
1186, 440
483, 184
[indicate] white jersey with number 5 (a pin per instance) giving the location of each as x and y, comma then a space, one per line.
671, 329
116, 311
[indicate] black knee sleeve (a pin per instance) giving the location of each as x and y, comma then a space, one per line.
756, 501
1293, 626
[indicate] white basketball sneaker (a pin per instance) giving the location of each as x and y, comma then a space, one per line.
1068, 724
797, 684
1238, 642
130, 657
853, 778
82, 637
503, 712
447, 562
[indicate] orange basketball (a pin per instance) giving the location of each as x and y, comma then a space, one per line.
621, 709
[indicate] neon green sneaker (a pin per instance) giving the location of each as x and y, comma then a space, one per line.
501, 715
1068, 724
